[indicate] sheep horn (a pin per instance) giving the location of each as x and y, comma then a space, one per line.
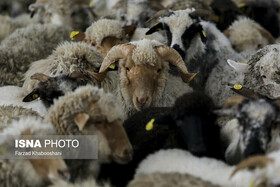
117, 52
98, 76
158, 14
40, 77
172, 56
254, 161
267, 35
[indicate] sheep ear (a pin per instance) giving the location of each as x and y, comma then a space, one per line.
40, 77
129, 30
246, 92
240, 67
31, 96
77, 35
81, 120
157, 27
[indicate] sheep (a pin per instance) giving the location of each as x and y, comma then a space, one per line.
105, 33
211, 170
143, 79
247, 35
27, 172
13, 96
189, 124
136, 12
9, 113
67, 58
195, 40
50, 88
168, 179
265, 12
9, 25
88, 110
85, 183
261, 71
72, 13
255, 127
24, 46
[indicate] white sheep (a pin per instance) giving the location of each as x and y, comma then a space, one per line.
71, 57
90, 111
214, 171
204, 49
24, 46
143, 79
247, 35
26, 172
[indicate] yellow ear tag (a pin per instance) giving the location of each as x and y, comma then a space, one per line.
252, 184
240, 5
237, 86
73, 34
204, 34
244, 62
35, 96
91, 4
156, 23
112, 66
150, 125
216, 18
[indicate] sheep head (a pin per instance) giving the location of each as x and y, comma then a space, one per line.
105, 33
112, 132
143, 70
257, 118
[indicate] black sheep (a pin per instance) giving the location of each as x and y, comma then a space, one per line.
190, 125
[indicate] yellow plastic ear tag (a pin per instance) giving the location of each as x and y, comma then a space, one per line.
150, 125
91, 4
244, 62
216, 18
73, 34
156, 23
204, 34
35, 96
237, 86
240, 5
112, 66
252, 184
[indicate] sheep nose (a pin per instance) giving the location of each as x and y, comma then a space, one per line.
64, 174
128, 154
142, 100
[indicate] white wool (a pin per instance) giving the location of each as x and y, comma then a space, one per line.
245, 35
13, 95
178, 22
212, 170
104, 28
144, 52
139, 34
33, 124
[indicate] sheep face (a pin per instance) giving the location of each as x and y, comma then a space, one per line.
50, 88
256, 120
51, 169
182, 31
115, 143
143, 71
143, 83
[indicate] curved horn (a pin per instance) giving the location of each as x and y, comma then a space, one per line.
254, 161
267, 35
40, 77
116, 53
172, 56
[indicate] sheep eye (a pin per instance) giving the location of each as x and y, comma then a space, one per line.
159, 70
93, 44
263, 76
127, 69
